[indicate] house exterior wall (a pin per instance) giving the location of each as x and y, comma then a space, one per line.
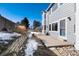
43, 22
47, 22
77, 26
71, 29
62, 12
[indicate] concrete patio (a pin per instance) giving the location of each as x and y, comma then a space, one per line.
51, 41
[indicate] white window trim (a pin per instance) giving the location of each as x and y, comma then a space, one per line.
64, 37
59, 5
51, 26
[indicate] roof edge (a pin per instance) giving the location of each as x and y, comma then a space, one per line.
50, 5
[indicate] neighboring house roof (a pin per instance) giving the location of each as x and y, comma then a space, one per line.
5, 19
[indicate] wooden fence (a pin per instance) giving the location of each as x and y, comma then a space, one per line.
15, 46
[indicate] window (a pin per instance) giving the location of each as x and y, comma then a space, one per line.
62, 28
54, 26
49, 27
44, 16
61, 3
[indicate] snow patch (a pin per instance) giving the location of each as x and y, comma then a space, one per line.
31, 46
8, 36
35, 33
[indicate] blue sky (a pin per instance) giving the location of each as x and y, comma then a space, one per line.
17, 11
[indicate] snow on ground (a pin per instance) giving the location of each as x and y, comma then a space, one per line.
35, 32
31, 46
8, 36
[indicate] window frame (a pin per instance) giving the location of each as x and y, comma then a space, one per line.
55, 26
49, 27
